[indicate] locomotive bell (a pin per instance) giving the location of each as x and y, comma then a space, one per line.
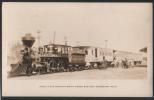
28, 40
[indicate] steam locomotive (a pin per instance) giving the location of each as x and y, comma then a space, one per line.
49, 58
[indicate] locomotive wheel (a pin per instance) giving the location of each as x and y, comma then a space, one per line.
104, 65
58, 69
95, 66
80, 68
44, 69
68, 69
29, 71
61, 65
39, 70
86, 68
71, 69
53, 65
74, 68
62, 69
92, 66
34, 67
100, 66
65, 70
47, 66
52, 70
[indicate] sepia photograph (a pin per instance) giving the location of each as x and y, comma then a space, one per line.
95, 49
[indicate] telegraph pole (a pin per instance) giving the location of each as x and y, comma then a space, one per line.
65, 38
38, 37
77, 43
106, 43
66, 49
54, 35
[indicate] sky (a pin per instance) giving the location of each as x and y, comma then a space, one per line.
126, 26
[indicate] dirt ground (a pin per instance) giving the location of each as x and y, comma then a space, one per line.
109, 73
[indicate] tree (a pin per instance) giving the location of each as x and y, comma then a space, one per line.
144, 50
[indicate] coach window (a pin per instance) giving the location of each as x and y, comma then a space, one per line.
96, 52
63, 51
59, 49
103, 53
44, 49
48, 48
86, 52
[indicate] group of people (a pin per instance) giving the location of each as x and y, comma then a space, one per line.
124, 63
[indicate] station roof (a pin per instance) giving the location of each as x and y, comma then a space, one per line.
82, 46
92, 47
